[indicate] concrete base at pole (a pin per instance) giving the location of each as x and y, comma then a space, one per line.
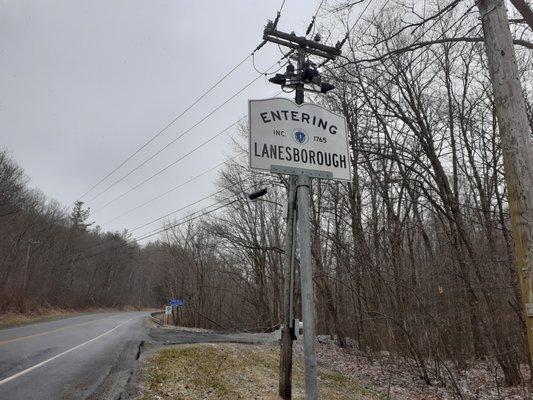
308, 294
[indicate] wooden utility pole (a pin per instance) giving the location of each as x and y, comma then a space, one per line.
25, 283
287, 330
516, 144
27, 265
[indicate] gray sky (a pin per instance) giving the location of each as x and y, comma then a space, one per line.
84, 83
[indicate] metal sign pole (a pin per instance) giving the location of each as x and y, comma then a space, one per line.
303, 184
308, 294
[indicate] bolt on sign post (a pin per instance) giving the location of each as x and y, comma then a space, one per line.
307, 141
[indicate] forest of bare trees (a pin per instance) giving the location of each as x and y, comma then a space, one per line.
53, 258
413, 256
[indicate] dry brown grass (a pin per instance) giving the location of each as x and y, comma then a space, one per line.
230, 371
10, 319
15, 319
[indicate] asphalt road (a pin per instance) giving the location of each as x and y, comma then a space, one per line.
73, 358
92, 356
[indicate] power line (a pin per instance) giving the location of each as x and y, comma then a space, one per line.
281, 7
448, 8
209, 90
357, 20
239, 195
179, 159
313, 19
266, 73
166, 192
188, 216
126, 243
276, 20
188, 220
159, 172
155, 220
346, 37
181, 184
178, 210
175, 139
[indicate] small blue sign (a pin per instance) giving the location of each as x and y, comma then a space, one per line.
176, 302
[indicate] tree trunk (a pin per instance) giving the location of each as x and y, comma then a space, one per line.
515, 142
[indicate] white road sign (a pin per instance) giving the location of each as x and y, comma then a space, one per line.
295, 139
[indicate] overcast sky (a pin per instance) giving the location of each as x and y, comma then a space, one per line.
83, 84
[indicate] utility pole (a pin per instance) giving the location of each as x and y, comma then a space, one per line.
26, 269
305, 73
25, 283
287, 331
517, 149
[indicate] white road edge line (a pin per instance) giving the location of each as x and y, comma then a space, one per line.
10, 378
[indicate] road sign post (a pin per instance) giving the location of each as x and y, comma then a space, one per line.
175, 304
308, 141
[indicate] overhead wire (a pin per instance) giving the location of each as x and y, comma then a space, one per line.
203, 95
151, 234
266, 73
178, 210
197, 176
180, 158
451, 6
167, 192
200, 121
164, 229
171, 226
114, 183
155, 220
350, 29
160, 171
183, 183
313, 20
162, 130
168, 166
239, 196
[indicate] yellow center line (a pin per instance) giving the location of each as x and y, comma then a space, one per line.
43, 333
10, 378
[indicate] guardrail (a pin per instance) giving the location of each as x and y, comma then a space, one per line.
157, 317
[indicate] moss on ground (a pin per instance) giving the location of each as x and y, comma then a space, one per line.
229, 371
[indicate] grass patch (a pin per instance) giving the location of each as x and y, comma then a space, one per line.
230, 371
